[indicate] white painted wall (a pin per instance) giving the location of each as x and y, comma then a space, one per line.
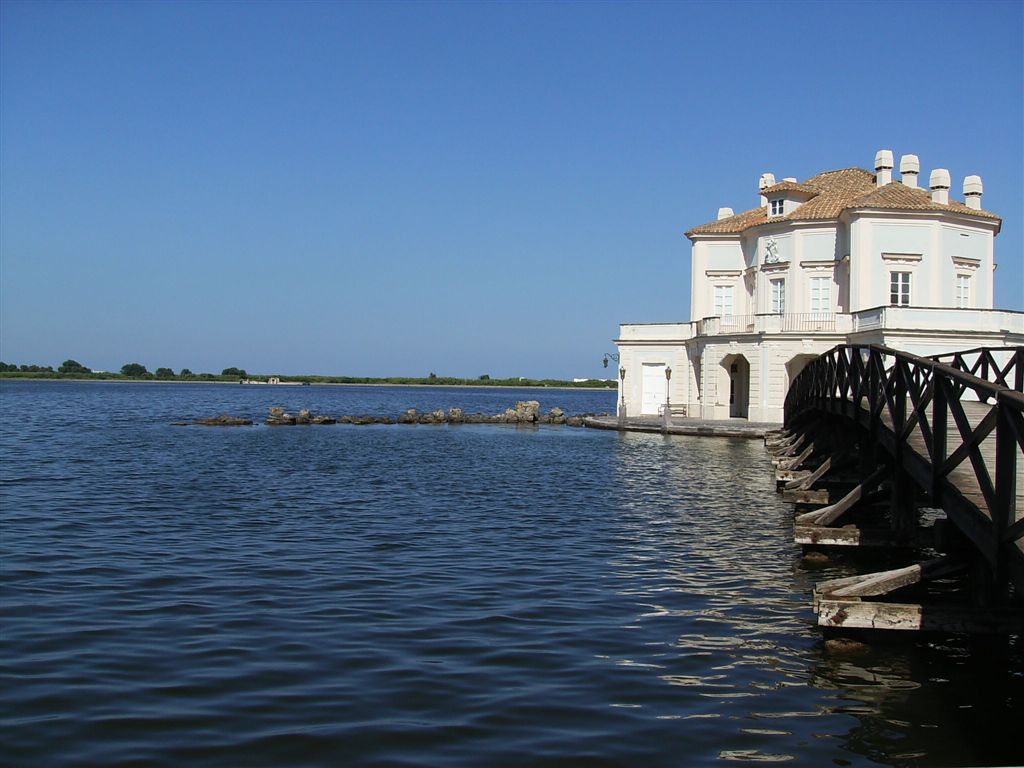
934, 248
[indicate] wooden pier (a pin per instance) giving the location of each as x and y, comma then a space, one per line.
884, 449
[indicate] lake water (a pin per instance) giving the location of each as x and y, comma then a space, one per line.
431, 595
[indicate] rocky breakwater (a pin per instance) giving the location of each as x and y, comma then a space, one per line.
280, 418
525, 412
216, 421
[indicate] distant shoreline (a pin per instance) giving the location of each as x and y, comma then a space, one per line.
567, 387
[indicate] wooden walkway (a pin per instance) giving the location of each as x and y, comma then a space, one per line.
946, 433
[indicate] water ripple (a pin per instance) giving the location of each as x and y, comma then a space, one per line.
445, 596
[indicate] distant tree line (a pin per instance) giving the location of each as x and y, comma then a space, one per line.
72, 369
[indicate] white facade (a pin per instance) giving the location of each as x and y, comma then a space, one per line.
847, 256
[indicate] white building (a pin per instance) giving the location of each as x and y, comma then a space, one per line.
846, 256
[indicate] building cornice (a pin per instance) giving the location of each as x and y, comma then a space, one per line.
903, 215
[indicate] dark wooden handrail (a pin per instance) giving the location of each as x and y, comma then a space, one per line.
936, 417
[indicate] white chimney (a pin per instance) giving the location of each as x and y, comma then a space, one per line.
766, 180
910, 166
972, 192
939, 182
883, 167
724, 213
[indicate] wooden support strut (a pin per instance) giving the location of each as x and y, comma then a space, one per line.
789, 447
794, 463
884, 582
828, 515
803, 483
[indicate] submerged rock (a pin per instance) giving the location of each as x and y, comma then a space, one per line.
815, 558
223, 421
844, 646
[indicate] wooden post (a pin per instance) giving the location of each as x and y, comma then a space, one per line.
940, 432
1007, 456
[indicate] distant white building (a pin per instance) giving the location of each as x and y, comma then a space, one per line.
846, 256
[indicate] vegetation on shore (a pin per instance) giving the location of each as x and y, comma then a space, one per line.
71, 369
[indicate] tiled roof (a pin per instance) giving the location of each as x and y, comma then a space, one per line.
790, 186
914, 199
835, 192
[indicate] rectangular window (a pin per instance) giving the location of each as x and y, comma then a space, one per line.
963, 291
899, 289
777, 207
778, 296
821, 294
723, 300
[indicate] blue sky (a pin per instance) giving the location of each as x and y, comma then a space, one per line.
465, 188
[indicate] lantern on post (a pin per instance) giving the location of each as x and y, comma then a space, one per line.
622, 393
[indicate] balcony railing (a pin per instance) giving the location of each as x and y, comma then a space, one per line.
885, 318
796, 322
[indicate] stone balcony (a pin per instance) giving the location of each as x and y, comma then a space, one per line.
939, 318
828, 324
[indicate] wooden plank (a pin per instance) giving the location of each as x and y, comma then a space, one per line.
807, 497
832, 513
867, 614
884, 582
788, 447
794, 463
785, 475
852, 536
804, 483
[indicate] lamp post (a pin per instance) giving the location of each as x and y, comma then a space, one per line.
622, 393
668, 399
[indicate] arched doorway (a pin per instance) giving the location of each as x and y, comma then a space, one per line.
737, 384
794, 366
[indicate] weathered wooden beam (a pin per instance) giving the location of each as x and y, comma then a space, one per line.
830, 514
807, 497
804, 483
776, 438
785, 475
866, 614
884, 582
852, 536
794, 463
790, 447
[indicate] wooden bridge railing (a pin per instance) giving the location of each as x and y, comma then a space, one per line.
1003, 366
954, 424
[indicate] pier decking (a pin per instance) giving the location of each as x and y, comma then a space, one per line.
684, 426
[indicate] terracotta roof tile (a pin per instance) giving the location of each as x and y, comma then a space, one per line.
835, 192
897, 196
790, 186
